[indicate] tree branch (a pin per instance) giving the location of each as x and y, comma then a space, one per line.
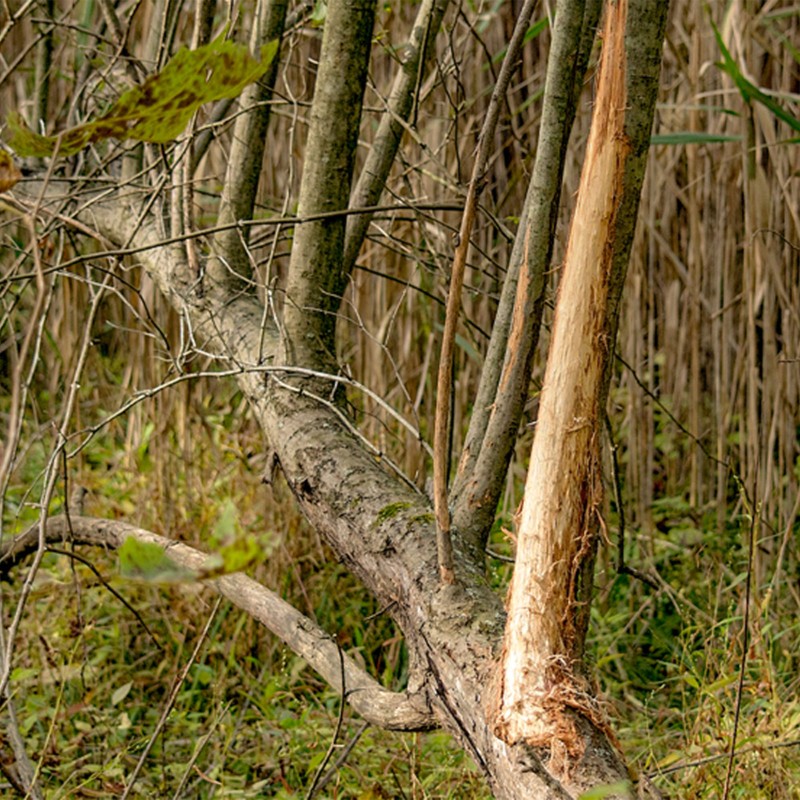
503, 388
342, 488
317, 277
231, 262
543, 689
383, 149
444, 382
379, 706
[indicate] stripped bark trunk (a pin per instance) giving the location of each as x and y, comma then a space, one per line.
543, 691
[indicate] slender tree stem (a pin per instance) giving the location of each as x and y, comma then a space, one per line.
444, 383
503, 387
402, 100
317, 276
232, 263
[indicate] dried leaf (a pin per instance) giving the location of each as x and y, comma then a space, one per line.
9, 174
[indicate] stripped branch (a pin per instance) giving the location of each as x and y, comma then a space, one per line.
444, 383
542, 690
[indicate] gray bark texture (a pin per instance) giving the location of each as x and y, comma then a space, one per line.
381, 528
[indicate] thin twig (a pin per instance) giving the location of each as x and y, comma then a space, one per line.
51, 476
146, 394
444, 383
339, 723
342, 757
199, 747
103, 582
176, 686
249, 223
664, 771
754, 514
622, 567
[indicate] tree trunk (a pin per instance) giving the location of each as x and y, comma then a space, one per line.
543, 681
554, 743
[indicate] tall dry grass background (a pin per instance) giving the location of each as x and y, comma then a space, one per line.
704, 412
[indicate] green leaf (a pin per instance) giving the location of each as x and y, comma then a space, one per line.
319, 14
620, 789
227, 523
233, 556
159, 109
749, 91
121, 693
148, 561
234, 549
540, 25
720, 683
692, 137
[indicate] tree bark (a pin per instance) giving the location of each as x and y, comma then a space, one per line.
381, 528
543, 689
503, 389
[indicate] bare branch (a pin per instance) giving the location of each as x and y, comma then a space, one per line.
316, 277
402, 98
247, 154
379, 706
444, 383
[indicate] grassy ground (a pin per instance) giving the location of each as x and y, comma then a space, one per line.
249, 719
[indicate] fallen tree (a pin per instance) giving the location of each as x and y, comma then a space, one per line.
511, 687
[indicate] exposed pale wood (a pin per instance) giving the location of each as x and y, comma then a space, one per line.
542, 687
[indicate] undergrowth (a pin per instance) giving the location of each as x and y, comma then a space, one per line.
709, 341
250, 719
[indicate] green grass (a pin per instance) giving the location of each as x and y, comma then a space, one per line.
252, 720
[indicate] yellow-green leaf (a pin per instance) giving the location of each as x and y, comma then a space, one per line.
148, 561
121, 693
159, 109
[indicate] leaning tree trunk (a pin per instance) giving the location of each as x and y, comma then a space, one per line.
543, 687
511, 693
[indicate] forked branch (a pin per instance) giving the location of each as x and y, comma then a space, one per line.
402, 100
444, 383
379, 706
